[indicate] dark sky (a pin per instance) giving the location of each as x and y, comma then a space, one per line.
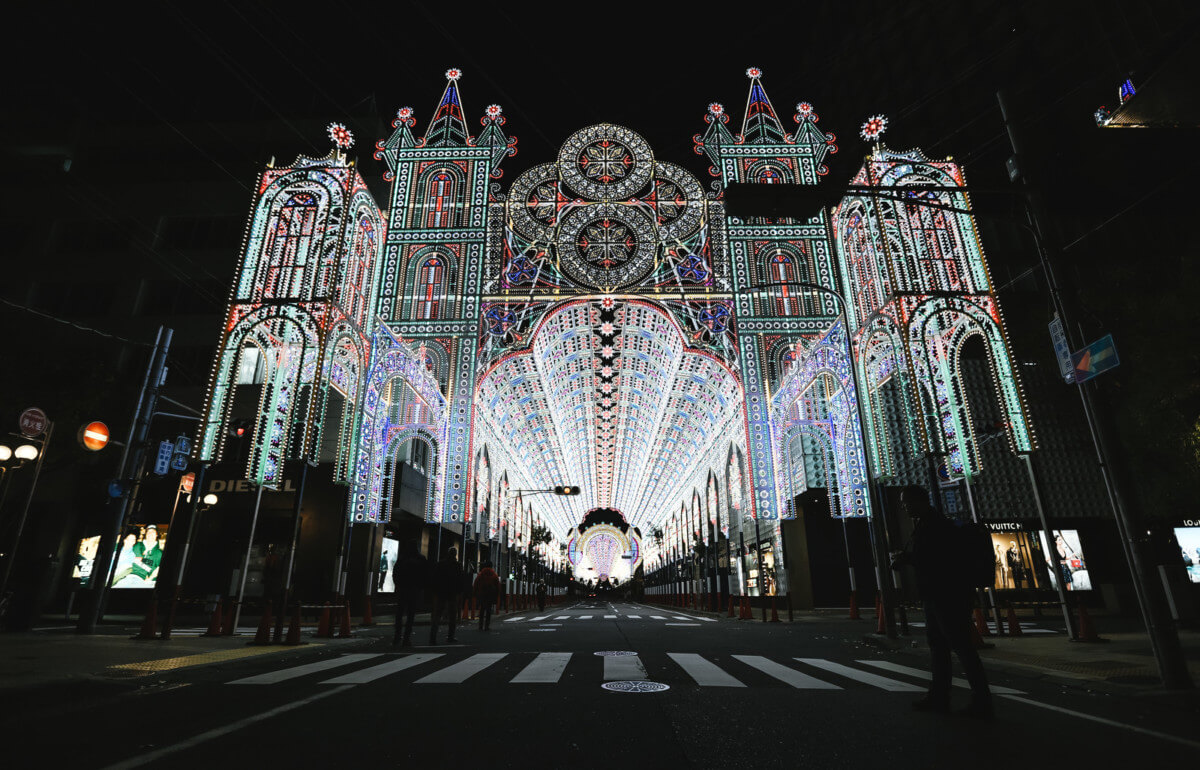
932, 68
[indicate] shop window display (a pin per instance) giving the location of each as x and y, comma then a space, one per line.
1017, 561
1064, 560
1189, 545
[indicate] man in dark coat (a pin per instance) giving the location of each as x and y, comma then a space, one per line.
487, 589
411, 578
935, 555
447, 585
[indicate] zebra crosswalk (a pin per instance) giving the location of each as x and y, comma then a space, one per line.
549, 668
691, 620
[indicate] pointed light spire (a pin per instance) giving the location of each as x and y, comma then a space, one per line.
448, 127
761, 125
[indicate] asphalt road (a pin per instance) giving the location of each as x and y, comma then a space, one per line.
529, 693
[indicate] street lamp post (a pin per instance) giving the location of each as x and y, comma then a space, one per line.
24, 454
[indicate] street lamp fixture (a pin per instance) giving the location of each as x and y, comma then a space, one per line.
26, 452
5, 453
210, 499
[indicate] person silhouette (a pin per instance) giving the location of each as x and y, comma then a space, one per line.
946, 595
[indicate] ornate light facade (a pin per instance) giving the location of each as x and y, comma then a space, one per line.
604, 323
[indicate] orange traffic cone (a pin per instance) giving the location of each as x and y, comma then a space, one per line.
324, 627
1087, 632
344, 632
981, 625
731, 606
1014, 625
263, 636
367, 620
293, 634
214, 622
151, 621
471, 601
774, 612
745, 609
976, 639
227, 628
880, 623
854, 614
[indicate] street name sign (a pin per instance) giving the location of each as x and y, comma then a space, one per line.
162, 463
1096, 358
1061, 349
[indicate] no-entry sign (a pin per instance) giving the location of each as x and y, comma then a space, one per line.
94, 436
32, 422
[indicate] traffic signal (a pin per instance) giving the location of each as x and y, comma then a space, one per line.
239, 428
566, 490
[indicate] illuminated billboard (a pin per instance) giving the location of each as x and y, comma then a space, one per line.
388, 554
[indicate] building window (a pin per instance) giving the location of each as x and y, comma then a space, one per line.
430, 285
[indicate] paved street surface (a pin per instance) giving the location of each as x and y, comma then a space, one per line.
594, 684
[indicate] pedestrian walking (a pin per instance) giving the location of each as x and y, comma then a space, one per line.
486, 589
446, 587
410, 576
936, 553
541, 594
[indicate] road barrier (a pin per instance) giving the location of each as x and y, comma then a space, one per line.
263, 636
293, 634
214, 623
324, 626
344, 632
1087, 631
1014, 625
368, 619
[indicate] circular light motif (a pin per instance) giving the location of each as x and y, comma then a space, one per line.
804, 109
607, 246
453, 74
493, 111
873, 128
341, 136
754, 72
716, 108
404, 113
605, 162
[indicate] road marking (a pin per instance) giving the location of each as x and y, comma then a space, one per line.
145, 759
383, 669
887, 665
543, 629
562, 617
271, 677
677, 617
891, 685
623, 667
681, 624
634, 617
514, 620
540, 617
657, 617
784, 674
1103, 721
610, 617
460, 671
705, 672
584, 617
546, 668
693, 617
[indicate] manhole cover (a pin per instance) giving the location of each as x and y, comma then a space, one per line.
636, 686
614, 652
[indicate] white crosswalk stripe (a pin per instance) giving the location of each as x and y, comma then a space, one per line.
610, 617
797, 679
308, 668
623, 667
365, 675
891, 685
584, 617
888, 665
634, 617
563, 617
546, 668
657, 617
704, 672
461, 671
550, 668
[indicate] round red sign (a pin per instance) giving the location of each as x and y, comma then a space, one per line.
32, 422
94, 436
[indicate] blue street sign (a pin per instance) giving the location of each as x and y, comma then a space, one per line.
183, 446
162, 463
1061, 350
179, 462
1098, 357
115, 488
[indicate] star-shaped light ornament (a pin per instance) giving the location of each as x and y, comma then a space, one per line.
454, 73
873, 128
716, 108
754, 72
493, 111
341, 136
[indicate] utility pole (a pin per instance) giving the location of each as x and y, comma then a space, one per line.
1164, 638
129, 477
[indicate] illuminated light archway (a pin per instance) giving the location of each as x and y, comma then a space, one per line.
609, 397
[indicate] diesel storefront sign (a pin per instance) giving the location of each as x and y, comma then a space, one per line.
236, 486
